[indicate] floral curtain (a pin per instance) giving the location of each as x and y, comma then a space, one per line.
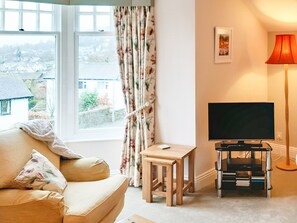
135, 28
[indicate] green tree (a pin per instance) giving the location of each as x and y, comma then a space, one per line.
88, 100
32, 103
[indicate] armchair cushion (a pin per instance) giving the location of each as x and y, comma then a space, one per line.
15, 149
31, 206
84, 169
90, 201
40, 174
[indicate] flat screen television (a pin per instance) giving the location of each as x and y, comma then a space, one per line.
241, 121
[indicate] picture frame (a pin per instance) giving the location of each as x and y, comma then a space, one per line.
223, 44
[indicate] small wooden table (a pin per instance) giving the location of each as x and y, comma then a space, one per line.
177, 153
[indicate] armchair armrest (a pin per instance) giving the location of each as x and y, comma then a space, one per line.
31, 206
84, 169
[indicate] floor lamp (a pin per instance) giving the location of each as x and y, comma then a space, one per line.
285, 52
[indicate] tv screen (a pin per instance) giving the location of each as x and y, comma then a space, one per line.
241, 121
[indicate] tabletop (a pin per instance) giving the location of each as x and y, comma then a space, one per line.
174, 152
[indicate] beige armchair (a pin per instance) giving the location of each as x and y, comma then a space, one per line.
91, 196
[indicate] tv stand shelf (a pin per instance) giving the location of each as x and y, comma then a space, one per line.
249, 173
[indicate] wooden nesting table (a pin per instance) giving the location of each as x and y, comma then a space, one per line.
177, 153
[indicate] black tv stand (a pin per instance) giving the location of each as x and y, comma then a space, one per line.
249, 172
240, 144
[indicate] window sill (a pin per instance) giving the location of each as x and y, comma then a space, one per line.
95, 135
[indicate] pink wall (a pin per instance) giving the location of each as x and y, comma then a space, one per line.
245, 79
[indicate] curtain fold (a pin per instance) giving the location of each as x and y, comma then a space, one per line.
135, 28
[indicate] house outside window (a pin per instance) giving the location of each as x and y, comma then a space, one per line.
82, 84
5, 107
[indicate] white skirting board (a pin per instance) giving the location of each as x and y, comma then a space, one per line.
205, 179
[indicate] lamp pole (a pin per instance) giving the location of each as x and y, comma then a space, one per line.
287, 115
287, 165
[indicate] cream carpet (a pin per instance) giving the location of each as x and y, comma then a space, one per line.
205, 207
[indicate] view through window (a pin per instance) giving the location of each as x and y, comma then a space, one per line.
27, 76
82, 90
101, 102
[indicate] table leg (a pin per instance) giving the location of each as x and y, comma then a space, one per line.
149, 182
179, 181
191, 171
144, 174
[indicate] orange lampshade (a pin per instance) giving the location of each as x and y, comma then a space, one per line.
285, 50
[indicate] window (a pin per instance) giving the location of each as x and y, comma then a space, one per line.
28, 60
94, 18
64, 60
26, 16
5, 106
100, 102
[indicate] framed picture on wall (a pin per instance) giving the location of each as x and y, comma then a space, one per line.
223, 44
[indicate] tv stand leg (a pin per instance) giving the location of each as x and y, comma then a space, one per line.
268, 173
268, 193
219, 173
219, 193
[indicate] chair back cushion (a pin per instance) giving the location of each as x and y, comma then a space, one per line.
15, 150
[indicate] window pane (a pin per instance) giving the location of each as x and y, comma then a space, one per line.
90, 21
103, 8
29, 5
100, 95
5, 107
28, 69
103, 22
45, 22
11, 4
29, 21
86, 23
1, 21
86, 8
45, 7
11, 21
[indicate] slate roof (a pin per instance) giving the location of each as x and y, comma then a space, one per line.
12, 88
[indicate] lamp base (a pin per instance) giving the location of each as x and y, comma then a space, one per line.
284, 166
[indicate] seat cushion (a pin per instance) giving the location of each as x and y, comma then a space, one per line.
15, 148
89, 202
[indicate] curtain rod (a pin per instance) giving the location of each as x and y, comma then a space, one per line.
95, 2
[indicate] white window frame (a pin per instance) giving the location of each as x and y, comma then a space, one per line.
69, 111
37, 12
58, 67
